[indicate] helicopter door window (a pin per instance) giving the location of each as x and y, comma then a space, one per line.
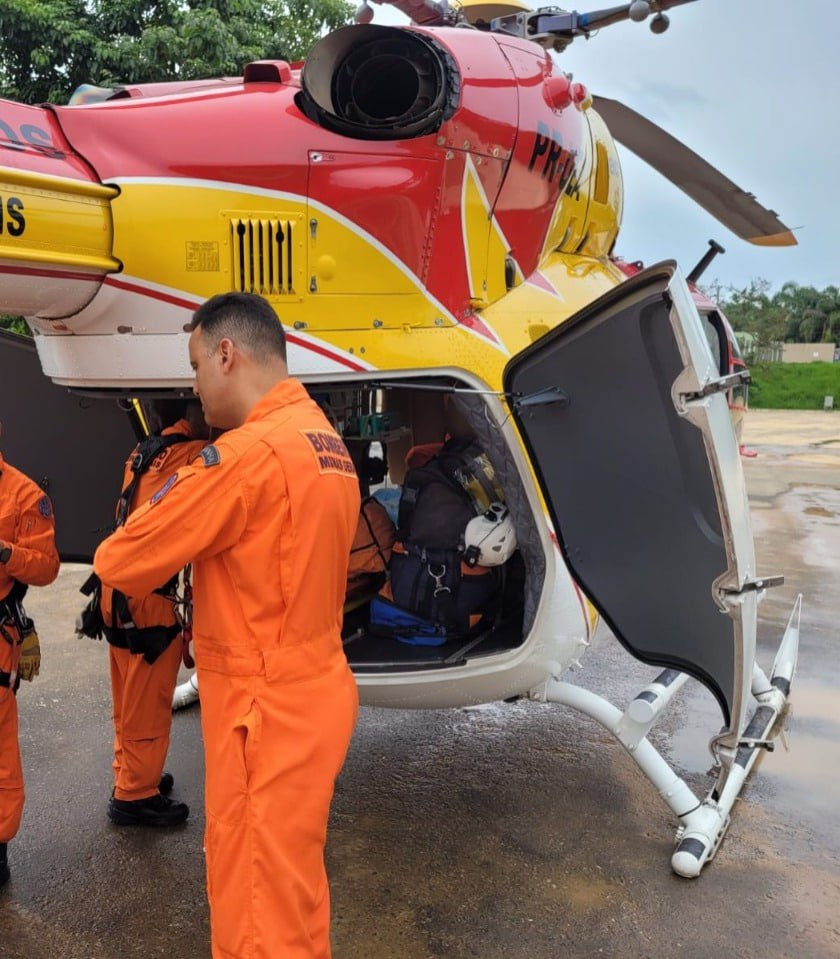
717, 339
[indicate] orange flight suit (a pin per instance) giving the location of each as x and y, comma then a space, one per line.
28, 526
142, 691
267, 515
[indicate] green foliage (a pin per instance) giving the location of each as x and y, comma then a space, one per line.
16, 324
794, 314
794, 386
50, 47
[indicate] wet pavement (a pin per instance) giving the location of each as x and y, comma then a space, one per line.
513, 830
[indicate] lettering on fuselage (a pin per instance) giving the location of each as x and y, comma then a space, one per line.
28, 136
330, 452
12, 220
558, 164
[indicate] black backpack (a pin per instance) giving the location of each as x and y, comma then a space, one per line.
428, 577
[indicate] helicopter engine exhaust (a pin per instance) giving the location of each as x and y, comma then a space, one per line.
379, 83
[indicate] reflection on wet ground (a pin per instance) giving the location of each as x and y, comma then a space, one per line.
798, 533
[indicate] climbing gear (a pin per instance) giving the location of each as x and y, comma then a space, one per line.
148, 450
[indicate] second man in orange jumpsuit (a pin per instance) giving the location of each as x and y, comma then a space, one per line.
267, 515
27, 558
145, 659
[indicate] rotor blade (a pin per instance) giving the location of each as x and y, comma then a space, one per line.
718, 195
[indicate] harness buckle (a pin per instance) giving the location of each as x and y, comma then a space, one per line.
438, 577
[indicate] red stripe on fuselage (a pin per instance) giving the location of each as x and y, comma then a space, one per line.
193, 305
49, 274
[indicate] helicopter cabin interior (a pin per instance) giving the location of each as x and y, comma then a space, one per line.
390, 428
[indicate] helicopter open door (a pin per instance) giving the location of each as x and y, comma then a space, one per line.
624, 413
72, 446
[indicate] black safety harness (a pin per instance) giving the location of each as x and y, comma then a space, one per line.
148, 641
12, 613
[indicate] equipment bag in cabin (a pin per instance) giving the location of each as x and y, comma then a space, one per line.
450, 597
388, 619
428, 577
439, 498
371, 550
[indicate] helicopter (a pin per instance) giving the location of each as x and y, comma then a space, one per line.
432, 211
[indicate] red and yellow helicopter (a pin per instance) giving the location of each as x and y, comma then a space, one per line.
432, 211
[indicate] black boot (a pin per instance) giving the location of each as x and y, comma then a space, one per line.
165, 786
155, 811
4, 865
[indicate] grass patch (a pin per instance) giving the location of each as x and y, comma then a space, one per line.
794, 386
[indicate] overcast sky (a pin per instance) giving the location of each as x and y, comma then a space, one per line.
754, 87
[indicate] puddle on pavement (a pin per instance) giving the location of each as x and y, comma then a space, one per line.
803, 771
798, 535
818, 511
583, 894
802, 527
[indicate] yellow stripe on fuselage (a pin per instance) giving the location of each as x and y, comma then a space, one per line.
396, 324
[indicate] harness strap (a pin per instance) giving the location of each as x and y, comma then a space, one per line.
133, 637
10, 639
147, 451
147, 641
12, 611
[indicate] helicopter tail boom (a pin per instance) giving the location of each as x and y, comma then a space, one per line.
55, 218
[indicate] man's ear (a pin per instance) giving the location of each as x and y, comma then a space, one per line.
227, 354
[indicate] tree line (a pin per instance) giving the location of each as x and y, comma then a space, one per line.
793, 314
51, 47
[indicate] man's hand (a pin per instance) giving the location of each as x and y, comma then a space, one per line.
30, 656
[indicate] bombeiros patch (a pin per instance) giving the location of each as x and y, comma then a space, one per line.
167, 486
330, 452
45, 507
210, 455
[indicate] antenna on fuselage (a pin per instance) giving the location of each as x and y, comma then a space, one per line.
705, 260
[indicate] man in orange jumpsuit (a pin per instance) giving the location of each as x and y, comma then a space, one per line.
27, 558
267, 515
145, 657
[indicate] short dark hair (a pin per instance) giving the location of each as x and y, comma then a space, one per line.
246, 318
163, 413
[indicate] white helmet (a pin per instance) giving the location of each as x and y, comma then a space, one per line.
489, 539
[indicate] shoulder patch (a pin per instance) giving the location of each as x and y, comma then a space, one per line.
45, 507
210, 455
330, 452
167, 486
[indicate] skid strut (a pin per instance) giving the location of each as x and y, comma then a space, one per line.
703, 823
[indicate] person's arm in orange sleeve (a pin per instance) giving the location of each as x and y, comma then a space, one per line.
199, 511
34, 559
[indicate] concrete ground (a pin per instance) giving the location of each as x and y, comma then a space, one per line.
504, 831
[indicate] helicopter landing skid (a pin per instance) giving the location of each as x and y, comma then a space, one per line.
703, 823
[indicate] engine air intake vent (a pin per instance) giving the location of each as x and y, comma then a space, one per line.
379, 83
263, 255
